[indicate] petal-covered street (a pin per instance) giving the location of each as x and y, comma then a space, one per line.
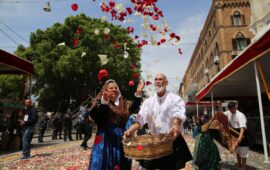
62, 155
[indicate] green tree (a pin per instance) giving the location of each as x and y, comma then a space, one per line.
62, 75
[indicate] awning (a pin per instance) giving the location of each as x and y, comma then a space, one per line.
11, 64
237, 79
203, 103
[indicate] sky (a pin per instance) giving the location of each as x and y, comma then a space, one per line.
18, 18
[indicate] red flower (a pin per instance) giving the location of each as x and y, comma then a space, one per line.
136, 37
147, 83
130, 29
101, 74
177, 38
172, 35
132, 66
135, 75
79, 31
163, 40
155, 17
117, 167
106, 36
139, 147
75, 41
139, 45
129, 10
74, 7
111, 3
144, 42
98, 139
131, 83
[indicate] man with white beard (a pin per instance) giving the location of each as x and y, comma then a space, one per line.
164, 112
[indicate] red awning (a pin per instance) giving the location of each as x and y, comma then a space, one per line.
237, 79
11, 64
203, 103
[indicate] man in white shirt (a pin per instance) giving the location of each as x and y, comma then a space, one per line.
164, 112
238, 121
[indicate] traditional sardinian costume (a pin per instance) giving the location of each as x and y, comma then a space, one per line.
206, 154
107, 152
158, 113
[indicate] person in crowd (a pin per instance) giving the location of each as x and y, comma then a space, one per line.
60, 125
164, 112
88, 124
238, 121
78, 125
28, 123
110, 111
67, 124
42, 127
54, 122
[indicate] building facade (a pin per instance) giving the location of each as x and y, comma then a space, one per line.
260, 18
224, 35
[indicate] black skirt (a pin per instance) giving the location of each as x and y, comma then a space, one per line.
244, 141
177, 160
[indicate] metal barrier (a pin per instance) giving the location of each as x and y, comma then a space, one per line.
254, 126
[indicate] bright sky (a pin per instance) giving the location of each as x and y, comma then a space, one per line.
185, 18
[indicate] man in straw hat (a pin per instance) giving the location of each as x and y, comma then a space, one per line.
164, 112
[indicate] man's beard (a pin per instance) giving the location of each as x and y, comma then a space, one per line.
159, 89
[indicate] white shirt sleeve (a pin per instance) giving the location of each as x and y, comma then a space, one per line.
103, 101
142, 115
242, 120
179, 109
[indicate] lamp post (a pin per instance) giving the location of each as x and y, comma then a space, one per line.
217, 62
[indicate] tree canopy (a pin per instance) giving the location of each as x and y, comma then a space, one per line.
66, 62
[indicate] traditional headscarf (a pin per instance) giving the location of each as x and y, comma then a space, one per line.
120, 104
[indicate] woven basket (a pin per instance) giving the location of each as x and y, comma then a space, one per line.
148, 147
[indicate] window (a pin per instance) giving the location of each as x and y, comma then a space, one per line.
240, 42
236, 19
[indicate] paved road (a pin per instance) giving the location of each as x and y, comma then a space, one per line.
60, 155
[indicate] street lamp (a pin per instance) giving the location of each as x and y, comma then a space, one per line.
217, 62
47, 7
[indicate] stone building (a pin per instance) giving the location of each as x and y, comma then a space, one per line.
224, 35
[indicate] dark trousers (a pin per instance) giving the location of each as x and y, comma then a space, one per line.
54, 133
67, 133
88, 134
26, 140
41, 134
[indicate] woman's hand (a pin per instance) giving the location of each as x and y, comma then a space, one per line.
106, 95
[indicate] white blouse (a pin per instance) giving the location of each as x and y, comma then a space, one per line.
237, 120
159, 112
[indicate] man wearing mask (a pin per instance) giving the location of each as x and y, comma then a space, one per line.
28, 123
164, 112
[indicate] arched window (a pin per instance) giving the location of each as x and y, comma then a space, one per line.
241, 42
236, 18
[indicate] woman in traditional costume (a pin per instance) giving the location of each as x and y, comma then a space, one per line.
111, 111
206, 154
